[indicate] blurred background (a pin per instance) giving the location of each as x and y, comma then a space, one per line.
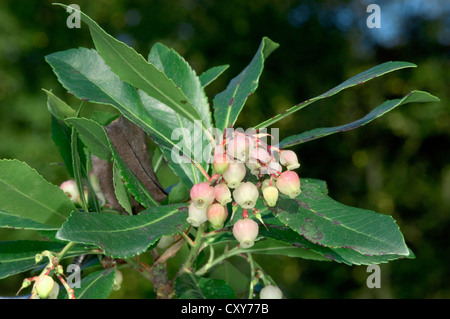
397, 165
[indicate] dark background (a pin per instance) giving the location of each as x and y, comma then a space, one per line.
397, 165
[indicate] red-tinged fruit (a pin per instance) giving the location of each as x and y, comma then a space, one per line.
202, 195
221, 162
289, 159
222, 193
288, 183
217, 214
70, 188
245, 231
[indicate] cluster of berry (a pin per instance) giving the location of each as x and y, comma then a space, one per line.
232, 159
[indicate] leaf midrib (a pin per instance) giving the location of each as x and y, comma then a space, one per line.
130, 228
348, 228
33, 200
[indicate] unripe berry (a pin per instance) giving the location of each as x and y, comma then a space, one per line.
221, 162
96, 187
234, 174
71, 189
44, 286
54, 293
202, 195
38, 258
118, 279
217, 214
245, 231
289, 159
266, 183
270, 194
197, 216
222, 193
246, 195
165, 241
270, 292
288, 183
239, 147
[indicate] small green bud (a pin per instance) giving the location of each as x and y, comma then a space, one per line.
38, 258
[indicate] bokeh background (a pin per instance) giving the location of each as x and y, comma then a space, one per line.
397, 165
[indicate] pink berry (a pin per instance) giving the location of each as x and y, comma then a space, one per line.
222, 193
288, 183
197, 216
246, 195
234, 174
217, 214
245, 231
221, 163
202, 195
289, 159
71, 189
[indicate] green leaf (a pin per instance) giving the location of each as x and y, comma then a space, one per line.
132, 183
96, 285
78, 71
79, 167
24, 193
179, 194
121, 192
58, 108
104, 118
229, 103
326, 222
180, 72
237, 279
280, 232
61, 135
363, 77
8, 220
414, 96
93, 136
190, 286
274, 247
186, 141
131, 67
124, 236
211, 74
19, 256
